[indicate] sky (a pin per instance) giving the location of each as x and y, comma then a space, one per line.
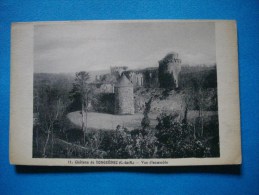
92, 46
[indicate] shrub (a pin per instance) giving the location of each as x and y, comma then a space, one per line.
176, 140
104, 102
129, 144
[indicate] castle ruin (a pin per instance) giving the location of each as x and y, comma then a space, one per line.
169, 69
120, 82
118, 70
136, 78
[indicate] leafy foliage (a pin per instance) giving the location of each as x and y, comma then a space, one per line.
50, 105
146, 121
191, 76
176, 140
55, 96
80, 88
103, 102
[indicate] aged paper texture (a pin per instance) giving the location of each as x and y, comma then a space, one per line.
125, 93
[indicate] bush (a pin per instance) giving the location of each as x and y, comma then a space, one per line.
190, 75
130, 144
176, 140
170, 139
104, 102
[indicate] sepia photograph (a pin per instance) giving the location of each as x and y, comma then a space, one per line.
125, 93
129, 97
125, 90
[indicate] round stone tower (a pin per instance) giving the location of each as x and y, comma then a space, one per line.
124, 97
169, 69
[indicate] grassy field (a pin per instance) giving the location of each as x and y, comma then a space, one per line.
110, 121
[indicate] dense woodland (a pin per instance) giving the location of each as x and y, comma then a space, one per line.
56, 95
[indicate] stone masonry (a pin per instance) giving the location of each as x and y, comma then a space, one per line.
124, 97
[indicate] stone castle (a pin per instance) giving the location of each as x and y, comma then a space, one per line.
166, 75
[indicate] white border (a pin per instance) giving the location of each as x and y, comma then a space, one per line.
21, 108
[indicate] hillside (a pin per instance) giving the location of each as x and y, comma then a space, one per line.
162, 100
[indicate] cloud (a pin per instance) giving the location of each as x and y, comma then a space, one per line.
89, 46
197, 59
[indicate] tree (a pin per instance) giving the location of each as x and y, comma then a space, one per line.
189, 99
200, 91
51, 109
82, 91
145, 123
175, 140
108, 78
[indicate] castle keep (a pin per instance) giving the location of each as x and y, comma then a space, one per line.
169, 69
119, 83
124, 98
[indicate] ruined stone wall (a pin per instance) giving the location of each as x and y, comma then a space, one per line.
137, 79
118, 70
151, 78
107, 88
124, 100
144, 78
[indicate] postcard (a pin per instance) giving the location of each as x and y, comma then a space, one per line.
125, 93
